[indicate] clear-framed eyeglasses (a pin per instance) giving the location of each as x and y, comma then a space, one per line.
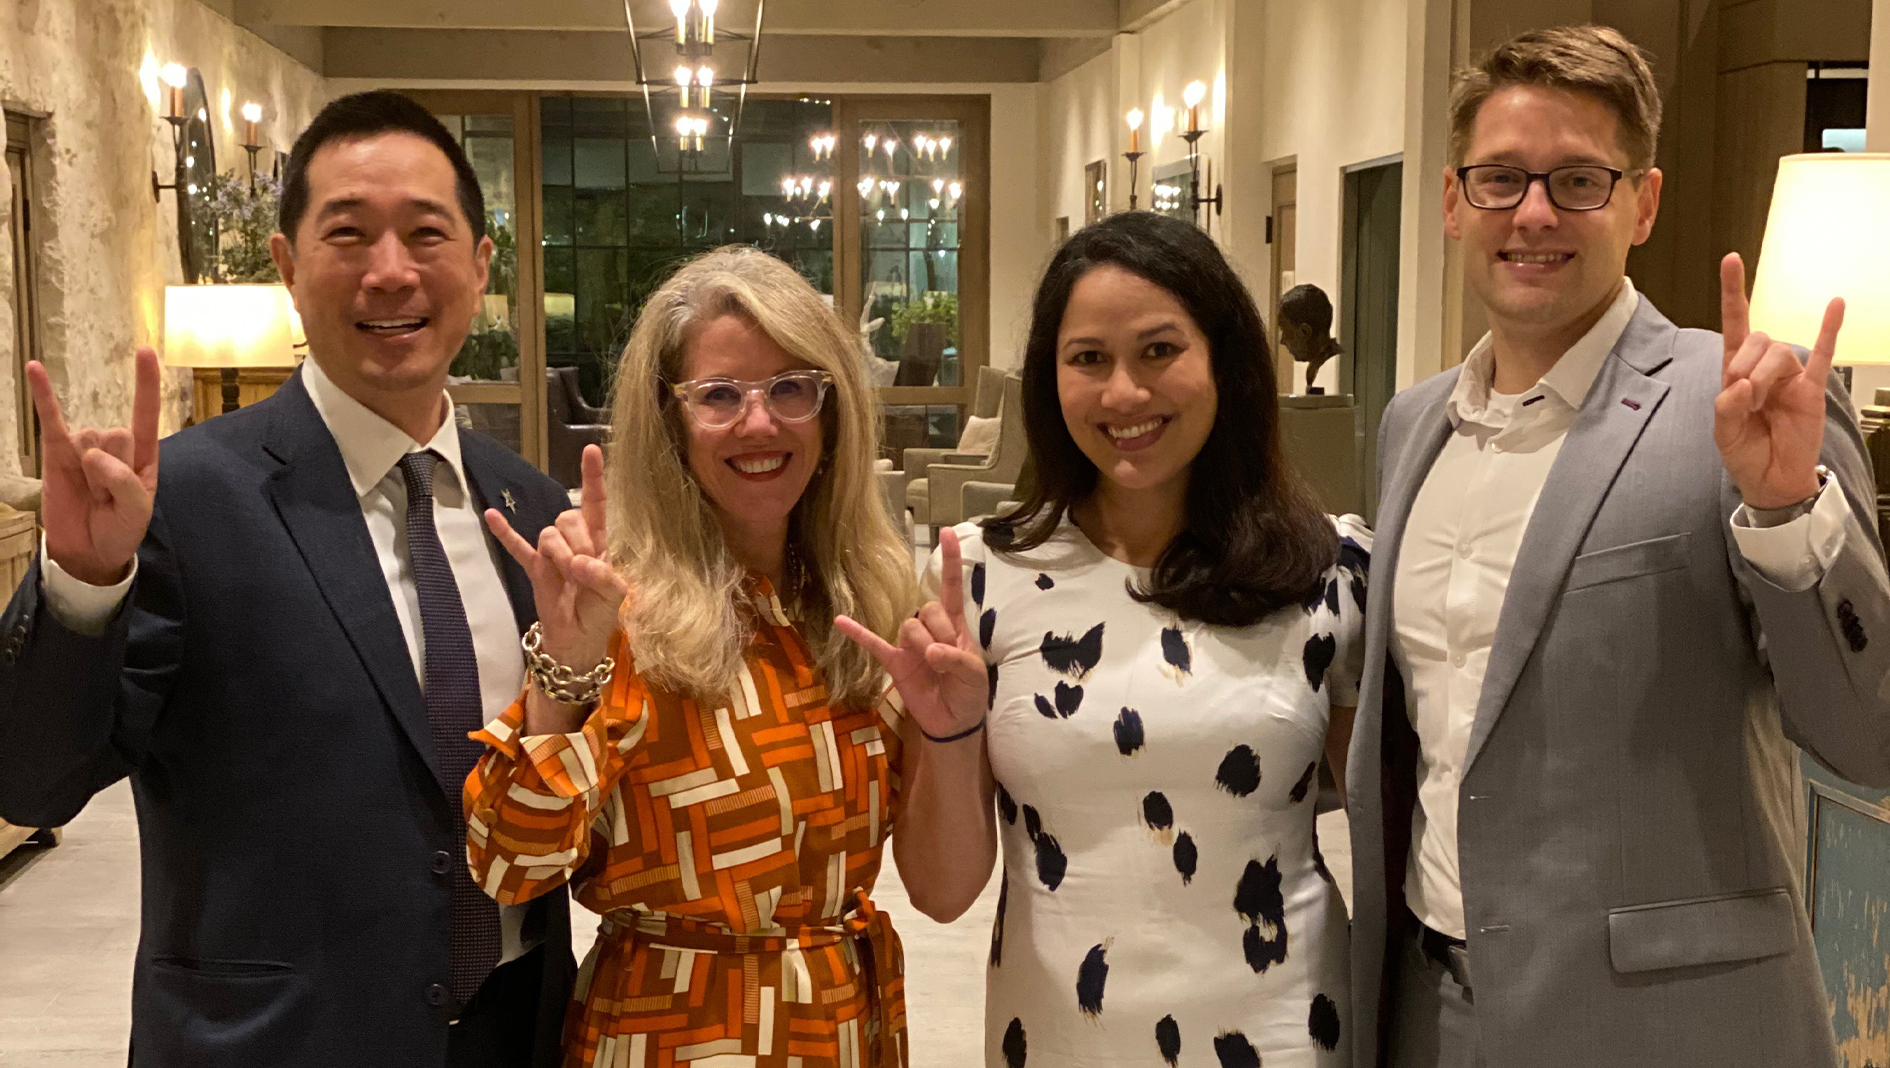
1499, 187
791, 396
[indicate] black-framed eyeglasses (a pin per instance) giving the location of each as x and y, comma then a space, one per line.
791, 396
1500, 187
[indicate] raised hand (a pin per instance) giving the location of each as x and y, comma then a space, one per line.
936, 666
579, 595
98, 484
1769, 419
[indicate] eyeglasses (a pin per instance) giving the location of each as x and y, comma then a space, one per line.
791, 396
1496, 187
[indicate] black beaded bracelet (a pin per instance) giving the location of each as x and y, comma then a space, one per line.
966, 733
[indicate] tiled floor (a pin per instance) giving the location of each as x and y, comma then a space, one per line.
69, 925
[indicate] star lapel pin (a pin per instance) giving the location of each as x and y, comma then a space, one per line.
511, 503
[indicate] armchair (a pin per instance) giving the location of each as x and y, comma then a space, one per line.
570, 424
914, 460
936, 500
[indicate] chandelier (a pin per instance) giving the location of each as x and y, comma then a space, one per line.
697, 73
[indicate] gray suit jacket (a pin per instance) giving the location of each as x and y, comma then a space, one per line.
1629, 823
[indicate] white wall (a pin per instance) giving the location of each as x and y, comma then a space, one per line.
1321, 82
106, 250
1076, 127
1333, 77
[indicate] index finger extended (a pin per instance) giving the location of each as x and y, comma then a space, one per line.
951, 591
1734, 310
52, 421
144, 411
591, 495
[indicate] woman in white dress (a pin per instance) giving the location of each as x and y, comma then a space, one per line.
1131, 681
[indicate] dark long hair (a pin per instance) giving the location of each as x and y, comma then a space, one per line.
1255, 538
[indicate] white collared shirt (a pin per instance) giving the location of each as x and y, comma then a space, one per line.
371, 449
1460, 545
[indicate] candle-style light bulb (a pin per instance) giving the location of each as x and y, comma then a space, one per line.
944, 146
825, 188
957, 190
869, 141
866, 186
938, 185
1135, 129
174, 75
252, 112
708, 22
681, 9
1192, 96
787, 186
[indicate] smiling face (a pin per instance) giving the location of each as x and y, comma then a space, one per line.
1539, 270
384, 269
1134, 379
754, 470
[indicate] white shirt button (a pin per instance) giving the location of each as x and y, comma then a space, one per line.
1460, 660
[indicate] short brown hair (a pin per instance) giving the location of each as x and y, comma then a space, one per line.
1598, 60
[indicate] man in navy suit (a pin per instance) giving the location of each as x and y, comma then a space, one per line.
283, 636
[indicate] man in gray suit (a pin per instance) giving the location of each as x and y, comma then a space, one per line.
1620, 569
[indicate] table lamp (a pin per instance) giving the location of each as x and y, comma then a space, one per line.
229, 327
1829, 236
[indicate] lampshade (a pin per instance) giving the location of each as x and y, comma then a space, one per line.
1828, 236
230, 326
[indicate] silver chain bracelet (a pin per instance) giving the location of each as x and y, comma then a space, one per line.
559, 682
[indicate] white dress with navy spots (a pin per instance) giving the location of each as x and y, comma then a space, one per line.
1164, 901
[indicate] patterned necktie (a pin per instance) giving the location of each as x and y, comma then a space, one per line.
454, 710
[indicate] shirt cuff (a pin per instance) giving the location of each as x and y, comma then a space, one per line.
79, 606
1795, 555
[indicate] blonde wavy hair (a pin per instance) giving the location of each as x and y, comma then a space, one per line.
844, 557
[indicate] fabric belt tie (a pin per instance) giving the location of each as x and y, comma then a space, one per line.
882, 965
454, 710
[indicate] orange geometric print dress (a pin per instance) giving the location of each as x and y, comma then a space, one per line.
730, 848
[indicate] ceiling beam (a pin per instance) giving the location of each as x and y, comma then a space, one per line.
824, 18
406, 57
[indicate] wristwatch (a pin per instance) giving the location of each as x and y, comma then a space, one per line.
1776, 517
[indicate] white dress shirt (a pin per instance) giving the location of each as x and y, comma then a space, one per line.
371, 449
1460, 545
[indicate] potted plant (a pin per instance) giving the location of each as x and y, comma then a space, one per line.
924, 327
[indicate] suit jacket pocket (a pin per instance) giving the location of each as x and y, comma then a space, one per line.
213, 1013
1649, 557
1714, 930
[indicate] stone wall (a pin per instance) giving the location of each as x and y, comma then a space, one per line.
105, 250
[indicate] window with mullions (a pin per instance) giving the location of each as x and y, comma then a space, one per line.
622, 208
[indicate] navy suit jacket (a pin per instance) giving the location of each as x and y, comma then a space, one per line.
293, 821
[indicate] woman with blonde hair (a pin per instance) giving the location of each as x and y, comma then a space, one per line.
699, 752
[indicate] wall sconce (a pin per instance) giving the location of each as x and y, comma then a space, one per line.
1192, 97
252, 142
1135, 152
174, 76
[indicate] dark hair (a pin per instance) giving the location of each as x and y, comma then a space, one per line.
1599, 60
366, 114
1308, 306
1255, 538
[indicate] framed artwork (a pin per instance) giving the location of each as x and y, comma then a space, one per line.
1095, 192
